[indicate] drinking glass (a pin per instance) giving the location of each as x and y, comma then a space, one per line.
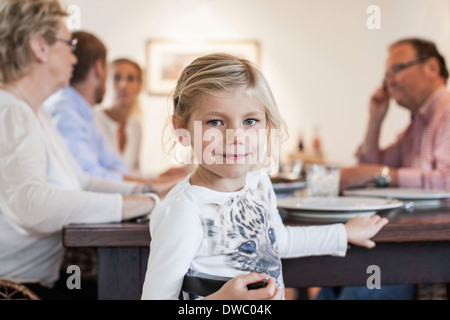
322, 180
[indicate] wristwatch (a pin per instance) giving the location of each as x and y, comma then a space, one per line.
383, 179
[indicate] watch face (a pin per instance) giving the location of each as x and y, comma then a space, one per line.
382, 181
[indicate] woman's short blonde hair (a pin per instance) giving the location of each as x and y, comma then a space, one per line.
215, 73
21, 20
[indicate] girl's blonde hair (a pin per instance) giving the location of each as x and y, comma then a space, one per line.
21, 20
211, 74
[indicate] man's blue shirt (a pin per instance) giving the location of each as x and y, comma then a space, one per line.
74, 118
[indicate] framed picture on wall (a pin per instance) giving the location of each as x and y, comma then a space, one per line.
166, 59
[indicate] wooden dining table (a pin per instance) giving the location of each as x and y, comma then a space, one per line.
413, 248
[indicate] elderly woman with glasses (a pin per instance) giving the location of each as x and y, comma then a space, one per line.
42, 187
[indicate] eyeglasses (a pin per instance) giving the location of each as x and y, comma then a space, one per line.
397, 68
72, 43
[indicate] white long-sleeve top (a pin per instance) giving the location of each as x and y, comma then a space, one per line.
41, 190
227, 234
133, 131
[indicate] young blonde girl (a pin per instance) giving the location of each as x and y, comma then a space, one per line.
222, 219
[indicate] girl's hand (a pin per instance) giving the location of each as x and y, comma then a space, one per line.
361, 228
236, 289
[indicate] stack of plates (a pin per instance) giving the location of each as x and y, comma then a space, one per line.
335, 209
420, 198
285, 184
286, 188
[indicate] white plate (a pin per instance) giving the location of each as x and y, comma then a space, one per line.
288, 187
328, 216
287, 176
343, 204
417, 198
399, 193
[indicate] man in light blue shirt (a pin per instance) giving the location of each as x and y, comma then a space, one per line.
72, 111
74, 119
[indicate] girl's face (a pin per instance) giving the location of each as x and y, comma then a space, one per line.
126, 83
228, 133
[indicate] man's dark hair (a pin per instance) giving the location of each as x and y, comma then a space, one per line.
89, 49
425, 49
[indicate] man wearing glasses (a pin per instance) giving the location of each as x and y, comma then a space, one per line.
416, 76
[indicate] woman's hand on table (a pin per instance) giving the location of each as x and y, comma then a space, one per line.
137, 206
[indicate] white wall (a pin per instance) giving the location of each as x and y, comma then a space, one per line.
319, 56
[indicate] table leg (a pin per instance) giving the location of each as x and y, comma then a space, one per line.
121, 273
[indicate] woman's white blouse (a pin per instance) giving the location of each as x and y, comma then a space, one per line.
41, 190
133, 130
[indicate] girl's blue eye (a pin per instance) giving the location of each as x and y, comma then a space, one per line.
250, 122
214, 123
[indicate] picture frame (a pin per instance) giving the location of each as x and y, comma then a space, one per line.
166, 59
